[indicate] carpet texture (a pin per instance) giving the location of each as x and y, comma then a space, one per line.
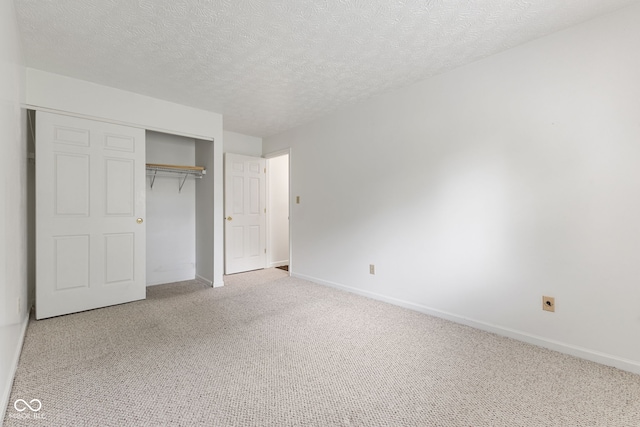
270, 350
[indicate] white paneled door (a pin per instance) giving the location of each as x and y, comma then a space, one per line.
90, 208
245, 213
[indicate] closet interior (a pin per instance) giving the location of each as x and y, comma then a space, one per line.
171, 179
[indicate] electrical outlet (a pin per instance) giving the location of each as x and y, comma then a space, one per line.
372, 269
548, 303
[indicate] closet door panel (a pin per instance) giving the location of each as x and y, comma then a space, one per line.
119, 180
71, 260
71, 184
90, 245
118, 257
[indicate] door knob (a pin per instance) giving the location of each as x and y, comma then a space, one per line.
139, 220
229, 218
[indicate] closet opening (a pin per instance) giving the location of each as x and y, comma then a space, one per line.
175, 238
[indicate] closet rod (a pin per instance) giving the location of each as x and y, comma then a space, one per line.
176, 168
196, 171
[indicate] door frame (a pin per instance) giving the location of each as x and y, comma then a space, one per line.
268, 156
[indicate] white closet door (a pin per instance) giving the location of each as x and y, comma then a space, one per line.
245, 204
90, 208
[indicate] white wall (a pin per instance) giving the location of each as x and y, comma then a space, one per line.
13, 201
238, 143
278, 211
211, 156
171, 215
61, 93
478, 191
209, 211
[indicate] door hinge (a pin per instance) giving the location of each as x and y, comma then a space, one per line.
265, 170
265, 250
265, 210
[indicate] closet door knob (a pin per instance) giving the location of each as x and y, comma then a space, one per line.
229, 218
139, 220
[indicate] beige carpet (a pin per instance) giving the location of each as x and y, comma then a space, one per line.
269, 350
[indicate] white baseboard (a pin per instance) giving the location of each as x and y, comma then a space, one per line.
583, 353
204, 280
278, 263
218, 284
13, 366
172, 279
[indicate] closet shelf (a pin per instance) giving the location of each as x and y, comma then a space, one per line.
183, 171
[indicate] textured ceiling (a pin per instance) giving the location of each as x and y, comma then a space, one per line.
268, 66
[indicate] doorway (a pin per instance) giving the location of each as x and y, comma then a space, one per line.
278, 210
257, 229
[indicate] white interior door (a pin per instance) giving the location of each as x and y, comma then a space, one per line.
90, 206
245, 213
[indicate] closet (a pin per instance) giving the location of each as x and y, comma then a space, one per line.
172, 177
118, 208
